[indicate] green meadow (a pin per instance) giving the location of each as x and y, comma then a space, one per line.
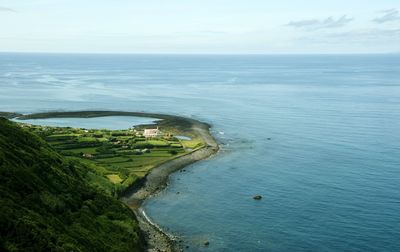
119, 157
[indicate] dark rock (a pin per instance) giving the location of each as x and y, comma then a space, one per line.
206, 243
257, 197
177, 192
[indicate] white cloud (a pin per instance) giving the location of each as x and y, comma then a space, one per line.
388, 16
5, 9
315, 24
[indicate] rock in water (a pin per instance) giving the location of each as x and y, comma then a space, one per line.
257, 197
206, 243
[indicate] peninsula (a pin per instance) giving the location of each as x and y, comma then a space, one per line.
130, 164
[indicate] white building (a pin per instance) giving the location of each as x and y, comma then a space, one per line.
152, 133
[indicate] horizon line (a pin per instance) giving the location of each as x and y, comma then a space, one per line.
199, 54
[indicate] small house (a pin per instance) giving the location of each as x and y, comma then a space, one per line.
148, 133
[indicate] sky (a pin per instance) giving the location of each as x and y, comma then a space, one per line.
200, 26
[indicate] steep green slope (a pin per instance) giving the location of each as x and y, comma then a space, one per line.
47, 204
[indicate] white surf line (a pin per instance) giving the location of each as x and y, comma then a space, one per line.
143, 213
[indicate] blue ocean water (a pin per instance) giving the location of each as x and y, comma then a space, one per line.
317, 136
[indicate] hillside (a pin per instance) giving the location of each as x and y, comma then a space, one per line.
46, 202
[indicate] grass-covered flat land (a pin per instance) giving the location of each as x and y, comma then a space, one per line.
117, 156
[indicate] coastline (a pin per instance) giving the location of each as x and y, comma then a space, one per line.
156, 180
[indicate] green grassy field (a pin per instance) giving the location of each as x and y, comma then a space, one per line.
121, 157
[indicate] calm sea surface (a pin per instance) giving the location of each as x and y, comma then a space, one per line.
317, 136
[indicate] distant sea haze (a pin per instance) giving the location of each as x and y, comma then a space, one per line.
317, 136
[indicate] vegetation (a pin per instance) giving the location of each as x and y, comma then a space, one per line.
48, 202
9, 115
59, 187
118, 157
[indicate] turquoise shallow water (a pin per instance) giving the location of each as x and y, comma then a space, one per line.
109, 122
317, 136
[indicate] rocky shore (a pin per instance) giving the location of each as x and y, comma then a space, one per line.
156, 180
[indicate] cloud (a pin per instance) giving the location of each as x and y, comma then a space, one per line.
5, 9
388, 16
315, 24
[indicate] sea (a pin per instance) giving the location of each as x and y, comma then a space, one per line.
317, 136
